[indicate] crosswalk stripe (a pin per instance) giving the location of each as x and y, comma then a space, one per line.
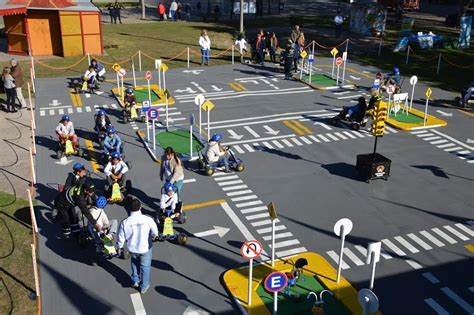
432, 138
340, 135
248, 147
70, 110
433, 239
453, 149
465, 229
88, 109
392, 130
291, 252
238, 149
353, 257
257, 216
269, 229
42, 113
444, 236
314, 138
263, 222
135, 128
436, 307
288, 143
414, 264
367, 133
237, 193
305, 140
268, 145
79, 109
285, 243
96, 107
51, 112
323, 138
385, 254
232, 182
235, 187
410, 247
332, 137
250, 203
446, 145
431, 278
458, 300
357, 133
350, 135
244, 198
464, 152
362, 250
277, 236
254, 209
225, 178
419, 241
393, 247
456, 233
296, 141
418, 132
218, 174
425, 135
105, 106
334, 256
277, 144
438, 142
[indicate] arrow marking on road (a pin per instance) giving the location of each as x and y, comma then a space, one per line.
196, 72
99, 92
55, 103
88, 95
323, 125
215, 88
192, 310
354, 78
198, 87
63, 161
469, 140
186, 90
252, 132
234, 135
249, 81
270, 131
444, 113
221, 231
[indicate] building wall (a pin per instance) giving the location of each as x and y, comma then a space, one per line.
15, 32
43, 28
80, 33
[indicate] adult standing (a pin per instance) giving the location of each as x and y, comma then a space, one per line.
260, 45
273, 47
171, 169
17, 74
118, 7
338, 20
110, 7
173, 9
187, 11
161, 11
295, 33
179, 10
205, 43
10, 89
137, 231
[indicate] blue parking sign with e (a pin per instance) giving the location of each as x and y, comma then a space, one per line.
152, 114
145, 106
276, 281
376, 84
311, 58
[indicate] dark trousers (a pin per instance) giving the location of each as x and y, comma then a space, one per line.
272, 55
338, 30
11, 96
68, 219
121, 182
118, 16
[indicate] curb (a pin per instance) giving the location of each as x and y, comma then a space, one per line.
141, 135
431, 121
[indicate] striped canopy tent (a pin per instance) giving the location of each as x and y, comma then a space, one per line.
52, 27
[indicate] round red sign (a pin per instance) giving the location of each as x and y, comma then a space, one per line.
338, 61
148, 75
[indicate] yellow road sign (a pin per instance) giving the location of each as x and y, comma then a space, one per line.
207, 105
303, 54
334, 51
166, 92
163, 67
272, 210
428, 93
116, 67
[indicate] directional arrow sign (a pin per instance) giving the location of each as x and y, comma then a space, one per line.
354, 78
186, 90
270, 131
196, 72
444, 113
64, 161
234, 135
215, 88
55, 103
221, 231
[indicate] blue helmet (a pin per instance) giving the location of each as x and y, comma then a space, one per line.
116, 155
101, 202
78, 166
65, 118
111, 130
129, 91
101, 112
396, 70
169, 187
216, 137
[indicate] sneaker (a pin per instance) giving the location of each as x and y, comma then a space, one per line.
135, 285
143, 290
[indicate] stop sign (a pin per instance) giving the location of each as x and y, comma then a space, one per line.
148, 75
338, 61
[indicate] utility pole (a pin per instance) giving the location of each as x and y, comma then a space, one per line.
143, 9
242, 17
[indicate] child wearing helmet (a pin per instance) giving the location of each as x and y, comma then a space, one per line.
65, 130
76, 177
89, 79
354, 112
104, 225
98, 68
169, 198
102, 122
115, 171
215, 152
112, 142
129, 102
395, 76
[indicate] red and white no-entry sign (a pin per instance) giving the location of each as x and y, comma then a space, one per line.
391, 89
148, 75
338, 61
122, 72
251, 249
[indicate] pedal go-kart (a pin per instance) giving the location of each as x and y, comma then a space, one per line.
210, 168
178, 216
87, 87
354, 124
168, 233
67, 149
461, 101
116, 191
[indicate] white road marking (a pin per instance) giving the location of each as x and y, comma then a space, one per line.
436, 307
250, 203
252, 132
268, 145
263, 222
353, 257
218, 174
269, 229
453, 140
444, 236
257, 216
456, 233
385, 254
235, 187
464, 152
433, 239
249, 119
422, 135
446, 145
414, 264
51, 112
223, 178
232, 182
323, 138
419, 241
350, 135
238, 149
465, 229
254, 209
393, 247
357, 133
332, 137
453, 149
291, 252
362, 250
350, 96
430, 277
42, 113
285, 243
438, 142
258, 146
244, 198
137, 302
237, 193
340, 135
306, 140
88, 109
296, 141
249, 148
410, 247
277, 144
459, 301
288, 143
335, 257
392, 130
432, 138
255, 93
114, 106
314, 138
418, 132
70, 110
278, 235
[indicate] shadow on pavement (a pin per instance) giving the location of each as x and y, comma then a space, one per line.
177, 295
342, 169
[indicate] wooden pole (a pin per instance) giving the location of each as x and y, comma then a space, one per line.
33, 121
32, 168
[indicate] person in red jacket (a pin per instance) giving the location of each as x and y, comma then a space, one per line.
161, 11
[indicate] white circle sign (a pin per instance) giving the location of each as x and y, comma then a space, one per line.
199, 99
122, 72
391, 89
413, 80
343, 227
251, 249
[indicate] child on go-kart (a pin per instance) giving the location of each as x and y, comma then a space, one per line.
116, 171
129, 101
169, 201
89, 80
108, 228
101, 122
65, 131
355, 112
215, 153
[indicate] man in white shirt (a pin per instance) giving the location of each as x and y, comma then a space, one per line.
338, 19
173, 9
116, 170
138, 230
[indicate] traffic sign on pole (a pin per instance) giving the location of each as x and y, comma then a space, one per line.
428, 96
116, 67
338, 61
368, 300
251, 249
338, 64
145, 105
373, 256
413, 82
341, 229
334, 51
303, 54
390, 89
152, 114
157, 63
275, 282
273, 215
148, 75
207, 106
428, 93
122, 72
311, 58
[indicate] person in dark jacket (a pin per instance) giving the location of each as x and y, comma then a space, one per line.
77, 177
260, 45
118, 7
66, 202
101, 122
288, 57
110, 7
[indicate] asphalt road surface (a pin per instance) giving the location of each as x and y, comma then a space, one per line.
293, 157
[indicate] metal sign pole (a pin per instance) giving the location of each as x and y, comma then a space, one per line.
166, 105
343, 238
250, 282
164, 80
123, 91
134, 77
302, 66
118, 84
159, 78
372, 276
275, 302
333, 64
426, 111
344, 67
190, 141
154, 135
200, 122
273, 242
149, 90
310, 71
412, 92
208, 123
147, 130
140, 60
337, 76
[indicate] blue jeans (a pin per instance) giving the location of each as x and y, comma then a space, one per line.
141, 265
205, 56
109, 152
173, 15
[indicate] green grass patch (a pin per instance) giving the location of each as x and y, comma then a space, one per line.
320, 79
142, 95
16, 269
407, 119
178, 140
